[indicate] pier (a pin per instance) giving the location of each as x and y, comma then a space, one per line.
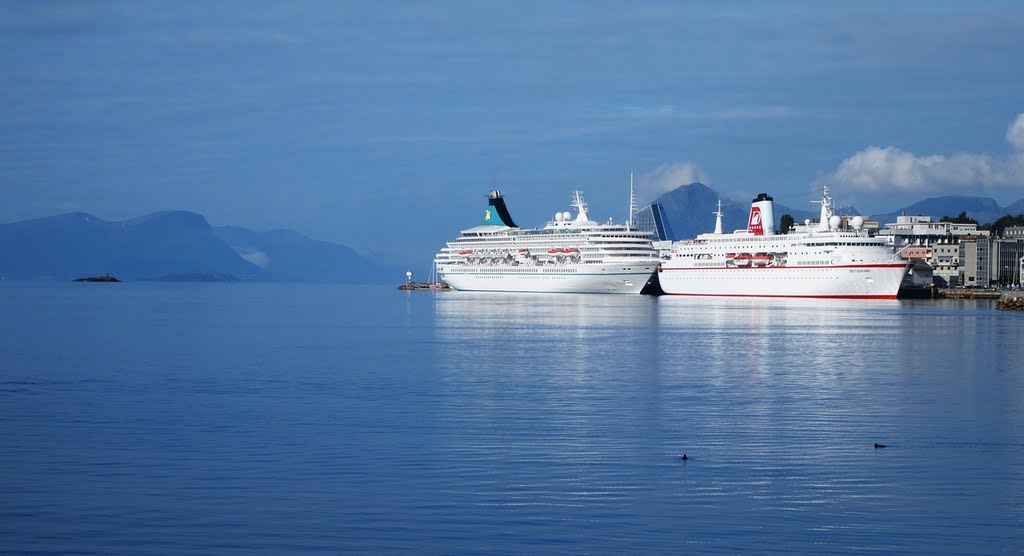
431, 285
967, 293
435, 286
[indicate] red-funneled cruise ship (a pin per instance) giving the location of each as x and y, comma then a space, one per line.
817, 260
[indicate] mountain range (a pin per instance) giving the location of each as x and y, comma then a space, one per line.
175, 245
690, 210
287, 255
181, 244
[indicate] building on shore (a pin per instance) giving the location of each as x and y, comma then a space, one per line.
919, 238
1007, 261
920, 275
975, 261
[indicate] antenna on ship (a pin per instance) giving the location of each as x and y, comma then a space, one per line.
632, 204
718, 219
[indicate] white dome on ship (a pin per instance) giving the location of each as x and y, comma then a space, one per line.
834, 222
566, 216
857, 222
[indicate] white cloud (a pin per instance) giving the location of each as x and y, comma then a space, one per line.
668, 177
1015, 133
877, 168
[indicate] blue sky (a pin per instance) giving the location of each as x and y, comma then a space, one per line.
382, 125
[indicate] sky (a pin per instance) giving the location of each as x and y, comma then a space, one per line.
382, 125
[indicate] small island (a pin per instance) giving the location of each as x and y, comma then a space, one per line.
104, 278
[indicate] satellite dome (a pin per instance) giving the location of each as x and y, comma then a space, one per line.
558, 217
857, 222
834, 222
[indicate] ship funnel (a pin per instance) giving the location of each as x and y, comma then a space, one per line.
762, 216
497, 213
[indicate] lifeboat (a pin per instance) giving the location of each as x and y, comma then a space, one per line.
554, 251
730, 256
762, 259
524, 250
743, 259
567, 250
466, 252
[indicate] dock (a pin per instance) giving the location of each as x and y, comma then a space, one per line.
969, 293
428, 286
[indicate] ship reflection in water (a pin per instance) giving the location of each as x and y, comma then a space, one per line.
581, 406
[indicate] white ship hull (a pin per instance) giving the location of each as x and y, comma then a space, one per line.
826, 260
874, 281
568, 255
588, 278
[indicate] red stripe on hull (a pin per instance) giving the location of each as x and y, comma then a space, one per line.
879, 296
787, 267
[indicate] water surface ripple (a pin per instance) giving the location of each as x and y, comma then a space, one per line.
273, 418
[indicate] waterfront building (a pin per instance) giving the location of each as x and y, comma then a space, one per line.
1008, 257
924, 227
939, 245
945, 263
920, 275
975, 267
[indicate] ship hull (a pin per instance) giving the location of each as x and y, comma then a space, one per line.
590, 278
865, 281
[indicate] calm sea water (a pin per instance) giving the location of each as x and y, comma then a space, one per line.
267, 418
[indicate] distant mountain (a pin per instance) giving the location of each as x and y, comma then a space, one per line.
176, 245
1015, 208
690, 210
77, 244
982, 209
290, 256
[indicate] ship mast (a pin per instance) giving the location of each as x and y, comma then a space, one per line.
632, 204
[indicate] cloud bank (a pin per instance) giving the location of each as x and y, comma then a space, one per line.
878, 168
667, 177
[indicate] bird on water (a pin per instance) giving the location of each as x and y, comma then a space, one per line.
684, 458
877, 445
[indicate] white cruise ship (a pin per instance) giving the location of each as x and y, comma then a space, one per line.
571, 254
820, 260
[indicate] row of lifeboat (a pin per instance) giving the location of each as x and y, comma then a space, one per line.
748, 259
